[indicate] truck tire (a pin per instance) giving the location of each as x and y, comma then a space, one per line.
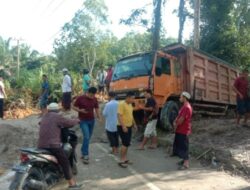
168, 114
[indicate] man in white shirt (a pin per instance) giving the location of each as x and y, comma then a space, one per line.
2, 96
101, 76
66, 90
110, 115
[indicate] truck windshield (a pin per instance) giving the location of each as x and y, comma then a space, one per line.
133, 67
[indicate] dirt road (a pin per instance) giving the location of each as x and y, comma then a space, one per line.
151, 170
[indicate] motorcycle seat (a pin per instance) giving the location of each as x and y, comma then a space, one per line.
36, 151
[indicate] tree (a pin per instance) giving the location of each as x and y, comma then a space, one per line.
136, 18
156, 24
77, 46
197, 24
225, 28
182, 18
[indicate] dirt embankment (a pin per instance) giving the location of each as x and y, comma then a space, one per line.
15, 134
229, 145
220, 144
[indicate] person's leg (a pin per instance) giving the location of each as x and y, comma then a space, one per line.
64, 163
240, 110
67, 100
91, 125
183, 149
128, 141
154, 134
63, 100
147, 134
116, 142
85, 145
186, 152
124, 148
111, 140
154, 142
175, 146
1, 107
247, 113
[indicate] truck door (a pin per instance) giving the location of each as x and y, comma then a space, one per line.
165, 82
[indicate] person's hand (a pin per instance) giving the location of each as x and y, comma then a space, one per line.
83, 110
241, 96
135, 127
140, 106
125, 129
99, 118
174, 126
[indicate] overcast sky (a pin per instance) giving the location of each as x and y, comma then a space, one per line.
37, 22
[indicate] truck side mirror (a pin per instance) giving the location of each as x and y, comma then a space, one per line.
158, 71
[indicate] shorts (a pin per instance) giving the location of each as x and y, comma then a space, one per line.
113, 138
151, 128
243, 106
43, 103
125, 137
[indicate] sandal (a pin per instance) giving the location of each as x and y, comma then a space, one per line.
180, 163
152, 147
183, 167
123, 164
139, 148
128, 162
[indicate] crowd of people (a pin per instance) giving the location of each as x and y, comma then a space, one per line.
119, 120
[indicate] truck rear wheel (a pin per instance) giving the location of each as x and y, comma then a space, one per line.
168, 114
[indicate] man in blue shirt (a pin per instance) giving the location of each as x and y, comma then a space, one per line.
110, 114
44, 94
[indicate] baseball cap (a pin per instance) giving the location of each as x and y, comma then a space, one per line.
65, 70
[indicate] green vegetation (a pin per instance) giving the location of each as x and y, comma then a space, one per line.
85, 42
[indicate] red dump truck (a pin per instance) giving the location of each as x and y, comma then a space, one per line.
171, 70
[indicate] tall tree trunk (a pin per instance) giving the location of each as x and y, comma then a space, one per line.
157, 24
197, 24
182, 18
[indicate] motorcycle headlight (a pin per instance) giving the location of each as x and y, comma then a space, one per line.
67, 149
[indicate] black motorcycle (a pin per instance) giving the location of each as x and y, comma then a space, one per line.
39, 169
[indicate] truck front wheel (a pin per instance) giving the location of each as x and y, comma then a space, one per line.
168, 114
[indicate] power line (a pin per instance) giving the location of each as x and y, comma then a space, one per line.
49, 4
55, 34
57, 7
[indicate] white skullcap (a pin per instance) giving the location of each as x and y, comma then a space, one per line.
186, 94
65, 70
53, 106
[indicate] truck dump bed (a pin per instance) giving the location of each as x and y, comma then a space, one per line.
207, 78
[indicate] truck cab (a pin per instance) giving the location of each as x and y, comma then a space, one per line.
151, 70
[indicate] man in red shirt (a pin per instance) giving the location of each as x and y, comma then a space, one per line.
241, 88
182, 126
109, 77
86, 105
